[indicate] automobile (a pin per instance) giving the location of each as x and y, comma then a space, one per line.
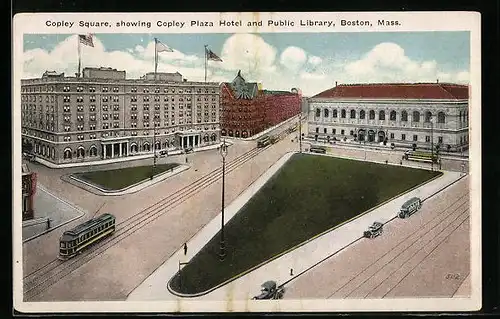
376, 229
188, 149
162, 153
269, 290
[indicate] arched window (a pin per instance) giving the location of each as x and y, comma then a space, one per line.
53, 153
334, 113
441, 117
44, 150
404, 116
93, 151
80, 152
68, 153
353, 114
326, 113
372, 115
146, 147
206, 138
381, 115
342, 114
362, 114
392, 116
428, 116
416, 116
133, 148
157, 145
213, 137
318, 112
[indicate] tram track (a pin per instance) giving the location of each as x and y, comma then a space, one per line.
439, 224
42, 278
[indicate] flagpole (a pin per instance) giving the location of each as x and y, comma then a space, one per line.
154, 120
79, 55
206, 58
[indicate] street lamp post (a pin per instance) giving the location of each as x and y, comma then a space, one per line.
432, 143
223, 153
154, 150
300, 132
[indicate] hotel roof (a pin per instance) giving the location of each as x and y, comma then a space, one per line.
437, 91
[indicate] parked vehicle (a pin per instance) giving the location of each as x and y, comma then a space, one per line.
376, 229
410, 207
317, 149
188, 149
269, 290
163, 153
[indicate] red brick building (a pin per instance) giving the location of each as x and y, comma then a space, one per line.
248, 110
28, 192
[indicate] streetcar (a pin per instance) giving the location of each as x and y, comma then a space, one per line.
73, 241
264, 141
317, 149
410, 207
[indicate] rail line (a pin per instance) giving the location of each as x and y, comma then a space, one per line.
34, 285
447, 216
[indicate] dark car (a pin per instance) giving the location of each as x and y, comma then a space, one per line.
270, 291
374, 230
188, 149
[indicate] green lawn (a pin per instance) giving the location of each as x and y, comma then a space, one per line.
116, 179
309, 195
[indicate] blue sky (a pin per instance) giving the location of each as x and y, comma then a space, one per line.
310, 61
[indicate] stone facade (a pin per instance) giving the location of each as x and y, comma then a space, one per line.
103, 115
406, 118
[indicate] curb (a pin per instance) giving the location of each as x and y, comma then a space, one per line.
298, 245
126, 190
78, 209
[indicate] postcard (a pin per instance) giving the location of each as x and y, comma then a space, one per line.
247, 162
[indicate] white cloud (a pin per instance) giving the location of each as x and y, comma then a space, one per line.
314, 60
258, 61
293, 58
249, 53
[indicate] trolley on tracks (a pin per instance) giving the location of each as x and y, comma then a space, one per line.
73, 241
410, 207
264, 141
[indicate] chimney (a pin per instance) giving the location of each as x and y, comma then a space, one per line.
437, 80
335, 83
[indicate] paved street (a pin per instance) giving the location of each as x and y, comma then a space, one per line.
47, 205
114, 274
299, 260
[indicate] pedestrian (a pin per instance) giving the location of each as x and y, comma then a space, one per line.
186, 159
48, 223
386, 161
400, 162
291, 271
185, 249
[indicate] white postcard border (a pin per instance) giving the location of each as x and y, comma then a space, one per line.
35, 23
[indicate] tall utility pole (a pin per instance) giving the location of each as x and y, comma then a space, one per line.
432, 143
154, 120
300, 132
223, 153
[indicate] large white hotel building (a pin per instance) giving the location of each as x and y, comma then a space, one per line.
104, 115
408, 115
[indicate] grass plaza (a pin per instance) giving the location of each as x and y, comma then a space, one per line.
307, 196
116, 179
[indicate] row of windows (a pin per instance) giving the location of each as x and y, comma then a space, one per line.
381, 115
115, 89
392, 136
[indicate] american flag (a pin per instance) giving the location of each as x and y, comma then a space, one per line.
212, 56
86, 39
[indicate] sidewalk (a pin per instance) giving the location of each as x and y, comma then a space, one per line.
259, 135
136, 157
300, 259
47, 205
127, 190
